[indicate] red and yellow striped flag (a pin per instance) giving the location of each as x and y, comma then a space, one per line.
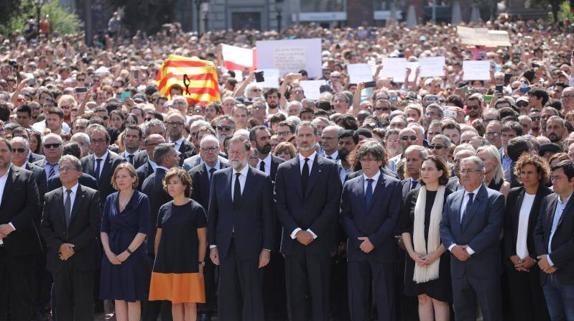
197, 77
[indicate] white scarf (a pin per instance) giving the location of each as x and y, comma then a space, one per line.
430, 272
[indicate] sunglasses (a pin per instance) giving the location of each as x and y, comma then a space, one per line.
437, 147
224, 128
19, 150
413, 137
55, 145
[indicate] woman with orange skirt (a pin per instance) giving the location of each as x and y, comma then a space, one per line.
180, 247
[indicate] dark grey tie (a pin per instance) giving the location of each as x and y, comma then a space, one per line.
211, 171
68, 207
131, 158
468, 205
262, 166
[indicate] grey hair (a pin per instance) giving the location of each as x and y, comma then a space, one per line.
52, 135
306, 124
73, 160
373, 149
445, 140
152, 123
423, 152
476, 160
22, 140
242, 140
209, 138
81, 137
161, 151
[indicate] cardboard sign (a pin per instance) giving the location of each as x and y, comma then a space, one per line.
290, 56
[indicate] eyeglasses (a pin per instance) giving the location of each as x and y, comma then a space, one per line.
209, 149
437, 147
469, 171
55, 145
66, 168
521, 105
413, 137
224, 128
19, 150
99, 141
492, 134
173, 123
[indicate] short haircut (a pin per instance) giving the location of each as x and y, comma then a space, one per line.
253, 131
72, 149
240, 139
52, 135
25, 109
161, 151
98, 128
134, 127
348, 133
540, 94
183, 177
209, 138
423, 152
567, 166
307, 124
72, 160
56, 111
373, 149
476, 161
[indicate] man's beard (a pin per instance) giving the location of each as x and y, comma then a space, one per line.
237, 164
553, 138
343, 153
265, 149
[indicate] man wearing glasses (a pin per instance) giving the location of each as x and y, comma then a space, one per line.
470, 230
224, 129
53, 149
474, 105
567, 99
175, 122
382, 105
407, 137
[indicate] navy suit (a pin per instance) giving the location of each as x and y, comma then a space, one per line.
105, 176
478, 278
559, 286
307, 267
200, 183
240, 233
378, 222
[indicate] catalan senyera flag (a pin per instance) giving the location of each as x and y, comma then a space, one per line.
197, 77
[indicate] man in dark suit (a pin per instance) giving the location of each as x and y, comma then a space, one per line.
53, 149
70, 227
414, 158
166, 158
554, 241
470, 230
133, 137
274, 275
175, 122
240, 234
103, 162
370, 214
308, 191
20, 246
149, 166
87, 180
152, 127
33, 157
20, 150
200, 177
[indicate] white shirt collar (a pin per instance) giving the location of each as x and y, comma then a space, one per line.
74, 188
333, 156
311, 158
375, 177
104, 157
267, 159
475, 191
243, 171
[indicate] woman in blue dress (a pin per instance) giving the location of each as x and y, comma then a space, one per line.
125, 225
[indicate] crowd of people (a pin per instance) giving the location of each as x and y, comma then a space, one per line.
432, 199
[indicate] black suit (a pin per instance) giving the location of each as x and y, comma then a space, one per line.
143, 172
186, 150
140, 158
558, 285
35, 157
73, 278
22, 248
104, 178
86, 180
523, 288
315, 209
240, 229
153, 187
378, 221
39, 176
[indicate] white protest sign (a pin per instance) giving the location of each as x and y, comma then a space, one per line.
359, 73
290, 56
432, 66
311, 88
476, 69
483, 37
394, 68
271, 78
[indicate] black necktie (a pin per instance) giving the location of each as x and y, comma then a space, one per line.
98, 168
131, 159
468, 205
305, 175
68, 207
211, 171
262, 166
329, 157
414, 184
369, 192
236, 191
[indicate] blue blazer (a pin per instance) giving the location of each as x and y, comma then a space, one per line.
480, 229
250, 225
378, 222
316, 208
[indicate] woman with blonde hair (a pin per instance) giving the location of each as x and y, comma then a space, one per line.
493, 172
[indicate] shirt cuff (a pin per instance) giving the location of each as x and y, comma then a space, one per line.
212, 247
12, 226
549, 260
312, 234
451, 246
469, 250
294, 233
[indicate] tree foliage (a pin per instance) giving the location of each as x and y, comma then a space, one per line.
61, 20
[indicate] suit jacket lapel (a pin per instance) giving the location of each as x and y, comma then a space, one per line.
80, 195
106, 167
379, 189
313, 175
565, 211
550, 216
469, 215
458, 208
516, 214
59, 199
297, 177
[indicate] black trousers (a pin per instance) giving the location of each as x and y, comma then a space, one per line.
308, 275
468, 292
364, 276
274, 299
526, 297
74, 294
18, 287
210, 276
240, 294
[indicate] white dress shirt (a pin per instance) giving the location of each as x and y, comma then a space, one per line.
103, 160
375, 179
73, 194
333, 156
301, 164
462, 209
522, 234
267, 161
242, 179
